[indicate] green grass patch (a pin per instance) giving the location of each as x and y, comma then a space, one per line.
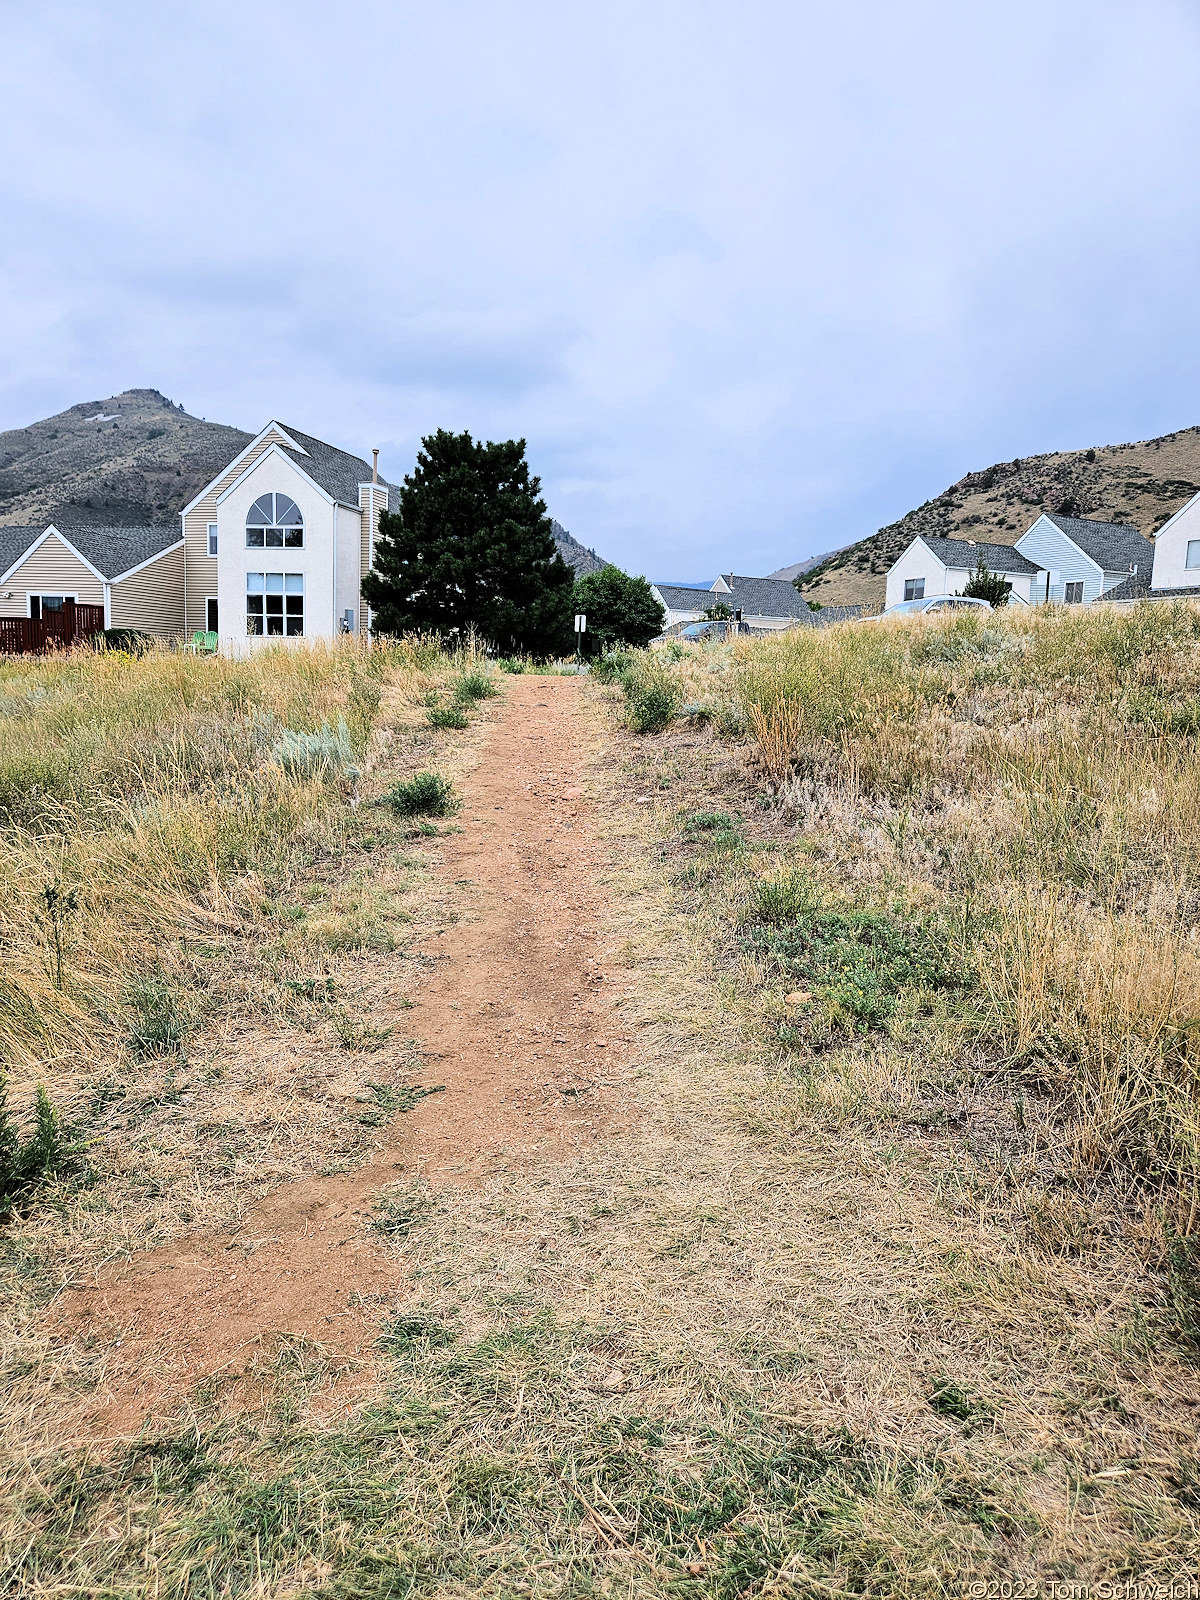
425, 794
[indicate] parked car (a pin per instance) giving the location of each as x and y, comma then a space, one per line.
938, 603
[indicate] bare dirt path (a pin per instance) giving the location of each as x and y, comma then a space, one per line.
515, 1021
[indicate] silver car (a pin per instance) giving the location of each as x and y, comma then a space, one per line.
938, 603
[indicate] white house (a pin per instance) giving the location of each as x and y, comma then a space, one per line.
933, 566
1176, 568
275, 547
1072, 560
761, 604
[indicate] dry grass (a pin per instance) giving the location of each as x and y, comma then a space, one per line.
847, 1313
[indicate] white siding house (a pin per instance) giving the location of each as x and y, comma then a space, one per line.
933, 566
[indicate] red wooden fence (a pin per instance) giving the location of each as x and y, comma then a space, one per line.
53, 630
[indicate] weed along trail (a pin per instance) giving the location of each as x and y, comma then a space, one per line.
515, 1057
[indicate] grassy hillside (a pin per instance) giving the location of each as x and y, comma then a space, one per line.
1142, 484
132, 459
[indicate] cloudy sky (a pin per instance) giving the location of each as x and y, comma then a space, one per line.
751, 279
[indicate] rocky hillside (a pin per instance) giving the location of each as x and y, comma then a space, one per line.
132, 459
575, 554
1142, 483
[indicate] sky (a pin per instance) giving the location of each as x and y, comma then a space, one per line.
750, 279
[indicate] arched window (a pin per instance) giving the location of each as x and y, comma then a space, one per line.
274, 522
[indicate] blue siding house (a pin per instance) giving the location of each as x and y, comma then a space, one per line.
1080, 559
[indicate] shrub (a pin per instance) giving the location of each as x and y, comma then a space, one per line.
452, 716
786, 898
129, 640
327, 755
513, 664
611, 668
474, 686
425, 794
652, 696
25, 1163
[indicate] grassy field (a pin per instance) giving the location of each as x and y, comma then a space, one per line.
892, 1283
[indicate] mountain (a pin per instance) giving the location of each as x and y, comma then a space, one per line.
575, 554
131, 460
1143, 484
799, 567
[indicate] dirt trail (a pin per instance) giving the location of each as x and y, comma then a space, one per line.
516, 1019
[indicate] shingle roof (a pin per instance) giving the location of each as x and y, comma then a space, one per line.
676, 598
964, 553
1135, 587
14, 542
110, 550
1113, 546
764, 597
337, 471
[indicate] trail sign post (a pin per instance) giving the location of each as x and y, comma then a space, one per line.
580, 630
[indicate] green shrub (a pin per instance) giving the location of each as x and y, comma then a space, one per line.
785, 898
513, 664
474, 686
425, 794
25, 1163
652, 698
611, 668
130, 640
452, 716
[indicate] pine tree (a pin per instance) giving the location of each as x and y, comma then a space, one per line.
989, 586
470, 546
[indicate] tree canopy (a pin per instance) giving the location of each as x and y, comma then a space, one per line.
620, 610
470, 546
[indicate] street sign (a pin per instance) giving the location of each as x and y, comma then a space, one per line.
580, 622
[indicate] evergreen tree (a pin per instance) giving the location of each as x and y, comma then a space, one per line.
620, 610
470, 547
989, 586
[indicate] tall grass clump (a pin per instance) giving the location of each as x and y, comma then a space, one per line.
652, 696
138, 793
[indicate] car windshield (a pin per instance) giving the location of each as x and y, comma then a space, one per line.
909, 605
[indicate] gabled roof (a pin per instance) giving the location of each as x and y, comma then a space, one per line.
1113, 546
336, 471
110, 551
763, 597
964, 553
676, 598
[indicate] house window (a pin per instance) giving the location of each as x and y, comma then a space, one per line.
210, 613
914, 588
1193, 553
274, 523
275, 603
41, 605
212, 538
1073, 593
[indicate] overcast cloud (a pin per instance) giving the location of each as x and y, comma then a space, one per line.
750, 279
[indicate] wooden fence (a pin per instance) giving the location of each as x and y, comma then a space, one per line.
54, 630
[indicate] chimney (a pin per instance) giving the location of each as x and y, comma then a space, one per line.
375, 466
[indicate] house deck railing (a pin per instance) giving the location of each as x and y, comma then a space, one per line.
56, 630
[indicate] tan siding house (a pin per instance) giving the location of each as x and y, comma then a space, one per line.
151, 598
135, 574
50, 567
